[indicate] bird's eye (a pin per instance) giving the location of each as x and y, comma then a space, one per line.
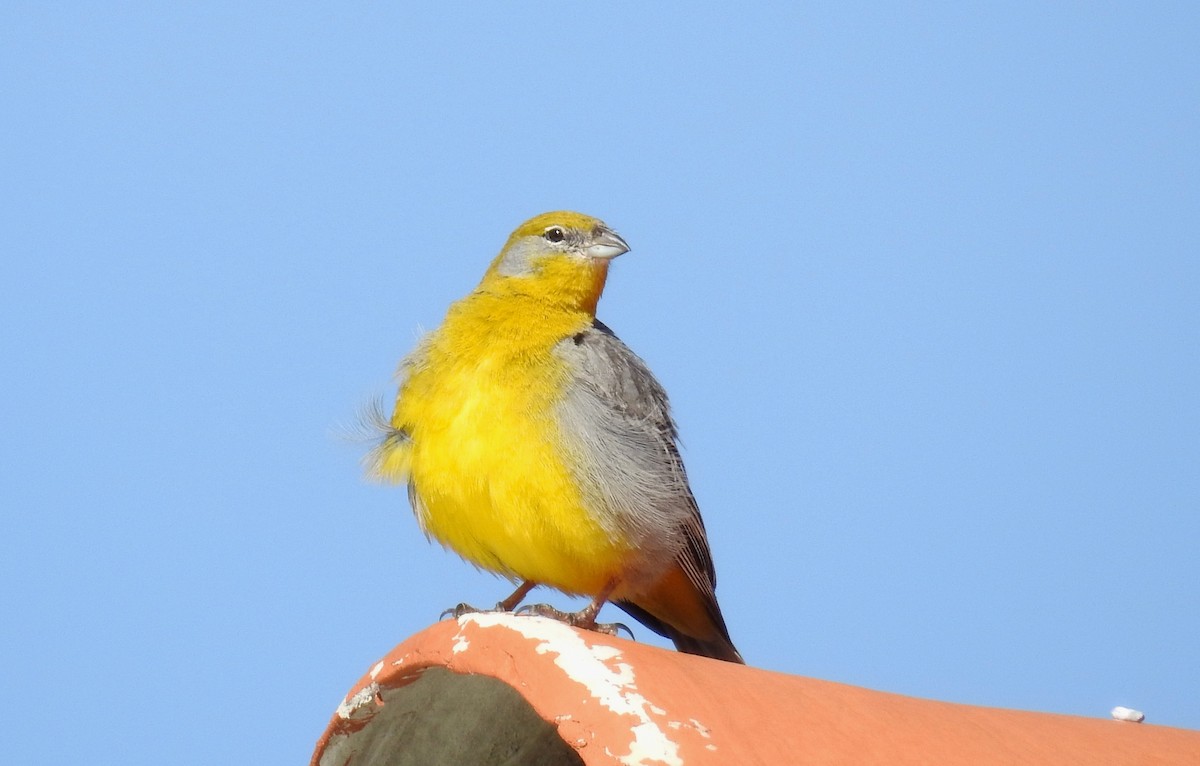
554, 234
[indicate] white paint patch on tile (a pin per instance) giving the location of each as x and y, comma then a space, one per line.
692, 725
353, 706
375, 670
1122, 713
610, 683
461, 644
651, 745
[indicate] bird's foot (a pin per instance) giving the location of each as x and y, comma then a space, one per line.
461, 609
507, 605
585, 619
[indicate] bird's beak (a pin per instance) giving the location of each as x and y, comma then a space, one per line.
606, 244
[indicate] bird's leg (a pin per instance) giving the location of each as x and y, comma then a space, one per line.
506, 605
518, 595
585, 618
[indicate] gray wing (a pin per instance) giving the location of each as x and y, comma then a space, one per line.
618, 421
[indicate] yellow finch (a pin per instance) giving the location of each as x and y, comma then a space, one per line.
536, 445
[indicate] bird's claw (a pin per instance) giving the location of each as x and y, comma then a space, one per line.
459, 610
613, 629
464, 608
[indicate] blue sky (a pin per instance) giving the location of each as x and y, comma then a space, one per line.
923, 284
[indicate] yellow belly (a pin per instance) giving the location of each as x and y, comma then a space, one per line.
492, 483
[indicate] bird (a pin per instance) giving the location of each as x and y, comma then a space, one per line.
537, 446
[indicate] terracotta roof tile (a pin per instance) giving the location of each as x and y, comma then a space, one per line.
619, 702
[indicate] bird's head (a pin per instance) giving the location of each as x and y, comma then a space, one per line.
561, 256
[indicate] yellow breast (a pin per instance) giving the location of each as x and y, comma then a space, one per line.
485, 460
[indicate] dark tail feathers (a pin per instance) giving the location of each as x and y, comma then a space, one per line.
720, 648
